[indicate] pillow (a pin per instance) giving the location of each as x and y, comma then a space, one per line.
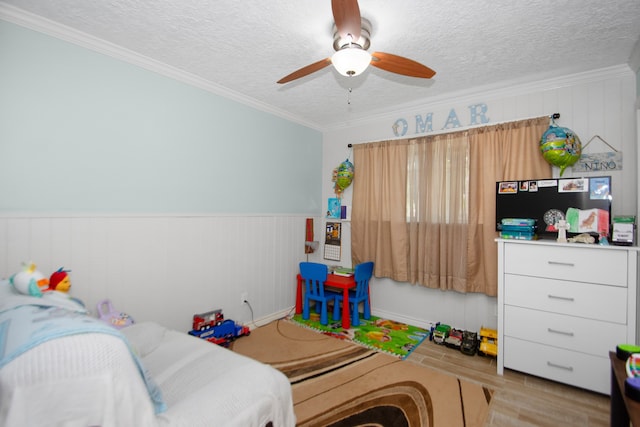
144, 337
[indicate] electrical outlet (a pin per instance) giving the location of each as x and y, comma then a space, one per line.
244, 297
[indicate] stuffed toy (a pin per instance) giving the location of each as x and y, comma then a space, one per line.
107, 313
60, 281
30, 281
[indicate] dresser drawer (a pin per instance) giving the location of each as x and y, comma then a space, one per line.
608, 303
568, 332
578, 264
570, 367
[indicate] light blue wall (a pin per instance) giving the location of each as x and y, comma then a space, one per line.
80, 131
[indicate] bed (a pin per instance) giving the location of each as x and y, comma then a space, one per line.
88, 373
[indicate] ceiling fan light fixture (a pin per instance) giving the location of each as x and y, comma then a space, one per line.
351, 61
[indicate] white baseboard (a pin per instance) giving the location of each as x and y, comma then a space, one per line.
421, 323
271, 317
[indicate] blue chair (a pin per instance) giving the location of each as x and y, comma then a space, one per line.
314, 275
362, 275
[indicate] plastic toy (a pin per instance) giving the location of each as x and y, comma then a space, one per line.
222, 334
30, 281
632, 365
115, 318
204, 321
488, 342
441, 333
60, 281
454, 339
432, 329
469, 343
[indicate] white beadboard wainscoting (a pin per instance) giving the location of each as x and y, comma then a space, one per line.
165, 268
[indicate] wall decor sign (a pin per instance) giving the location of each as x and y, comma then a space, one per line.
598, 162
424, 124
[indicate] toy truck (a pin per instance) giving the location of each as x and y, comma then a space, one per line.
488, 342
454, 340
204, 321
222, 334
441, 333
469, 343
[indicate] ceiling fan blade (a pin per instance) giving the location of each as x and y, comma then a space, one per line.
401, 65
346, 14
305, 71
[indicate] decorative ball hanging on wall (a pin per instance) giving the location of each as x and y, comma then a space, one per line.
560, 146
343, 176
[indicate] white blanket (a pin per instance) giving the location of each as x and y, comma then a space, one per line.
90, 379
27, 321
207, 385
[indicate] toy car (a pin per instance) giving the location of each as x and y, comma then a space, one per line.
222, 334
469, 343
441, 333
488, 342
454, 340
204, 321
432, 329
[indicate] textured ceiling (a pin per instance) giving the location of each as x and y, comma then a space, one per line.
245, 46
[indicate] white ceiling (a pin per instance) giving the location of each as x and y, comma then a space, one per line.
244, 46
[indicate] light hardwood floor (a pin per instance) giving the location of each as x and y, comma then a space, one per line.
519, 399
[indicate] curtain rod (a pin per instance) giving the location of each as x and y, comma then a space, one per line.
554, 116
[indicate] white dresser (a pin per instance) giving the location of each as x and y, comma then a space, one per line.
562, 307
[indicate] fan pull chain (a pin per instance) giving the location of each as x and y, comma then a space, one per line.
349, 97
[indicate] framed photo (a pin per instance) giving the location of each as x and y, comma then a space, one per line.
599, 188
573, 185
508, 187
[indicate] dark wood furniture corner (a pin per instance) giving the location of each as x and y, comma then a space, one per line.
623, 409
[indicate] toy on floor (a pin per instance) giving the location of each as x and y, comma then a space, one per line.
454, 339
469, 343
432, 329
212, 327
30, 281
110, 315
441, 333
204, 321
488, 342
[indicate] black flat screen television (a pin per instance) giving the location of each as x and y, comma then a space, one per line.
550, 200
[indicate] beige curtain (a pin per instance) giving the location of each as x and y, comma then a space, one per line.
424, 209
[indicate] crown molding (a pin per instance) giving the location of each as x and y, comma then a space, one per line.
494, 91
45, 26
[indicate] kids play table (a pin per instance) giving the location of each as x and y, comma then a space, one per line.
335, 281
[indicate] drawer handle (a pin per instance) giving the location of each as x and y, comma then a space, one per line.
555, 365
555, 331
568, 264
560, 297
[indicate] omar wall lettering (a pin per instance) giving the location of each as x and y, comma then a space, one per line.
477, 115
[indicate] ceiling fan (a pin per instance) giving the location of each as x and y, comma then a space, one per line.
351, 41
